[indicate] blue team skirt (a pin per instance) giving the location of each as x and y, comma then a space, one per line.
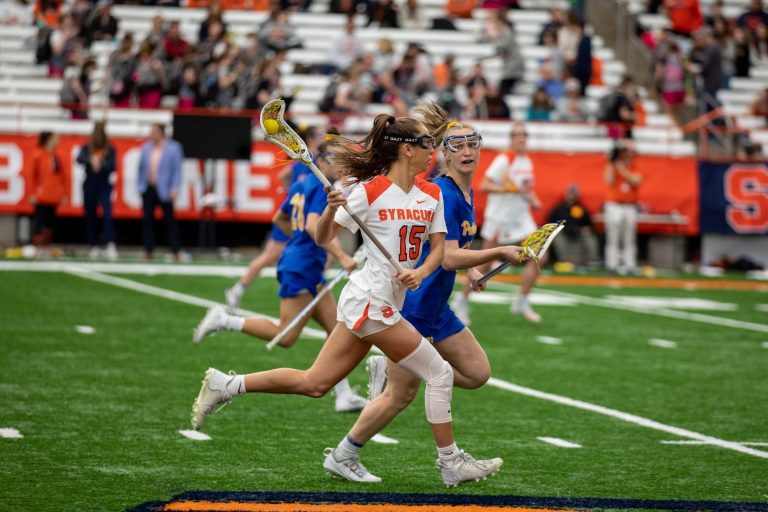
443, 325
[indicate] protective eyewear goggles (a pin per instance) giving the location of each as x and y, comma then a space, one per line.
426, 141
456, 143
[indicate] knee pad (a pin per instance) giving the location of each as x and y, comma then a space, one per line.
427, 364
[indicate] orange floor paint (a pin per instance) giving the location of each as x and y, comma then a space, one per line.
236, 506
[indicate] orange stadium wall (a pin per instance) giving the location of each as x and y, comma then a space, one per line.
254, 191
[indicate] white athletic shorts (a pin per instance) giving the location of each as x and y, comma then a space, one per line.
508, 232
364, 314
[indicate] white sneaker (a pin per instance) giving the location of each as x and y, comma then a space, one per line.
460, 306
350, 402
376, 367
526, 311
214, 321
94, 253
212, 393
111, 251
350, 469
464, 468
233, 300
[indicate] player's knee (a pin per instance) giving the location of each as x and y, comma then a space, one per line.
401, 397
316, 389
440, 375
477, 379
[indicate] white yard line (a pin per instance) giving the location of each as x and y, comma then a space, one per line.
85, 329
630, 418
658, 342
701, 443
85, 273
549, 340
669, 313
10, 433
562, 443
195, 435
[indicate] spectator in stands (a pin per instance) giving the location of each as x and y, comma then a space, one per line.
351, 95
102, 26
63, 41
620, 211
568, 37
384, 56
759, 105
159, 179
445, 72
47, 13
572, 107
156, 33
120, 70
149, 78
742, 61
550, 82
723, 37
98, 158
47, 184
716, 13
541, 106
670, 77
411, 16
278, 34
553, 56
577, 243
214, 45
267, 83
215, 14
708, 60
189, 90
581, 67
513, 64
16, 13
753, 18
452, 95
347, 6
458, 9
174, 44
76, 89
553, 25
382, 14
684, 16
760, 45
617, 109
345, 49
495, 105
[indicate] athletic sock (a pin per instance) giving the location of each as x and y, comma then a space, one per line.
234, 323
448, 452
348, 448
237, 385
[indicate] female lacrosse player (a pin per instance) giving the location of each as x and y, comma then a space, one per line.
402, 213
313, 137
508, 217
300, 273
427, 307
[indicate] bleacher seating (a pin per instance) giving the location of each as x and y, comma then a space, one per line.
25, 84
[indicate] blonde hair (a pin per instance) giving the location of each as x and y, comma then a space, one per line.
437, 120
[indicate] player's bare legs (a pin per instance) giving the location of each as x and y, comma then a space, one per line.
529, 277
460, 303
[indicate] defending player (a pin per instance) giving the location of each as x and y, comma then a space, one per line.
427, 307
402, 213
300, 273
508, 218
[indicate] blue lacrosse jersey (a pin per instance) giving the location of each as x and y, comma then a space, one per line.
425, 307
301, 255
299, 171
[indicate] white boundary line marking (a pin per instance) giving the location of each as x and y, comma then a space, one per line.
195, 435
701, 443
630, 418
562, 443
669, 313
658, 342
170, 294
549, 340
10, 433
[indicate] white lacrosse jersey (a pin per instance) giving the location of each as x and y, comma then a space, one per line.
502, 206
401, 221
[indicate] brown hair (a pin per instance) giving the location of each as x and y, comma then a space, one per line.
372, 156
98, 137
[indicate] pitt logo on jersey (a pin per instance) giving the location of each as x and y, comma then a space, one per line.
405, 214
468, 229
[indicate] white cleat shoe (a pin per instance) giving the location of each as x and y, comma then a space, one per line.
460, 306
464, 468
112, 252
349, 469
212, 393
376, 367
233, 300
350, 402
526, 312
94, 254
214, 321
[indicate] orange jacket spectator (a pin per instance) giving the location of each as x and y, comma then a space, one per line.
597, 72
47, 177
460, 8
684, 15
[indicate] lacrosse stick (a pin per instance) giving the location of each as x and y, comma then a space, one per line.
278, 132
359, 257
534, 247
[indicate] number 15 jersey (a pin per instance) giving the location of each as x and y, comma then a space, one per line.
401, 221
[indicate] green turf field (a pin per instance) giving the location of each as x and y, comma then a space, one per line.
100, 413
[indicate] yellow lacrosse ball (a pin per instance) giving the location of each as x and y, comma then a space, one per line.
271, 126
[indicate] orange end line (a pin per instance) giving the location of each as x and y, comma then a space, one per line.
236, 506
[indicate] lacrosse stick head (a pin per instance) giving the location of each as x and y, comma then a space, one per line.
537, 243
281, 133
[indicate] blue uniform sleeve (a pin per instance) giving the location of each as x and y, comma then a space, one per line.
286, 206
451, 211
